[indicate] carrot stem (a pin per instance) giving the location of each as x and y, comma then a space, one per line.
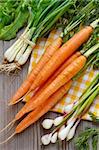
91, 50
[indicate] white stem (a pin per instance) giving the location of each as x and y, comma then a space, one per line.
15, 51
72, 118
20, 53
54, 137
63, 133
11, 49
26, 42
94, 24
18, 47
72, 131
25, 56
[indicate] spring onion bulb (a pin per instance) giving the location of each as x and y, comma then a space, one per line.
58, 120
63, 133
46, 139
72, 131
54, 137
47, 123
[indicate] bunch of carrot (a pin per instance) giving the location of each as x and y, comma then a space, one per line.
52, 77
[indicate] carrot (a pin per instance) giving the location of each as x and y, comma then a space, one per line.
67, 74
41, 110
59, 70
28, 106
27, 83
61, 55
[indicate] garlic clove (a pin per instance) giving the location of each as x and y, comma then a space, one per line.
47, 123
58, 120
46, 139
54, 137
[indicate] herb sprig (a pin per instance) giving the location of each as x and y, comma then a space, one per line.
82, 142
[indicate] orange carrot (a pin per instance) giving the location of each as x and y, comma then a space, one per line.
61, 55
68, 73
55, 61
45, 58
33, 116
28, 106
59, 70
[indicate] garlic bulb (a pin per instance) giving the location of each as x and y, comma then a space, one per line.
46, 139
58, 120
63, 133
47, 123
72, 131
54, 137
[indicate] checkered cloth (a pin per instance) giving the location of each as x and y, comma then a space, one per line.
77, 87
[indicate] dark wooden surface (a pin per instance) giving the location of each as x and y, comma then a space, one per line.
30, 138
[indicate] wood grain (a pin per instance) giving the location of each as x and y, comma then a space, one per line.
30, 138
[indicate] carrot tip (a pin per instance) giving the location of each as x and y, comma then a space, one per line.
14, 102
11, 103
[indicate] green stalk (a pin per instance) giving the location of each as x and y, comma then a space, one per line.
91, 50
72, 26
94, 81
89, 101
79, 18
43, 14
89, 93
49, 25
66, 4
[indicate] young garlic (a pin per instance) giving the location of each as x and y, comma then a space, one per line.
63, 126
54, 137
58, 120
47, 123
73, 118
46, 139
72, 131
63, 133
68, 108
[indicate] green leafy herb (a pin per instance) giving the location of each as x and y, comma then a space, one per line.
13, 15
9, 32
82, 141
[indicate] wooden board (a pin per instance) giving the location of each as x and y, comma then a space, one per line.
30, 138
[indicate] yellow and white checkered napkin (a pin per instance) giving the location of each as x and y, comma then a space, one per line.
77, 87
